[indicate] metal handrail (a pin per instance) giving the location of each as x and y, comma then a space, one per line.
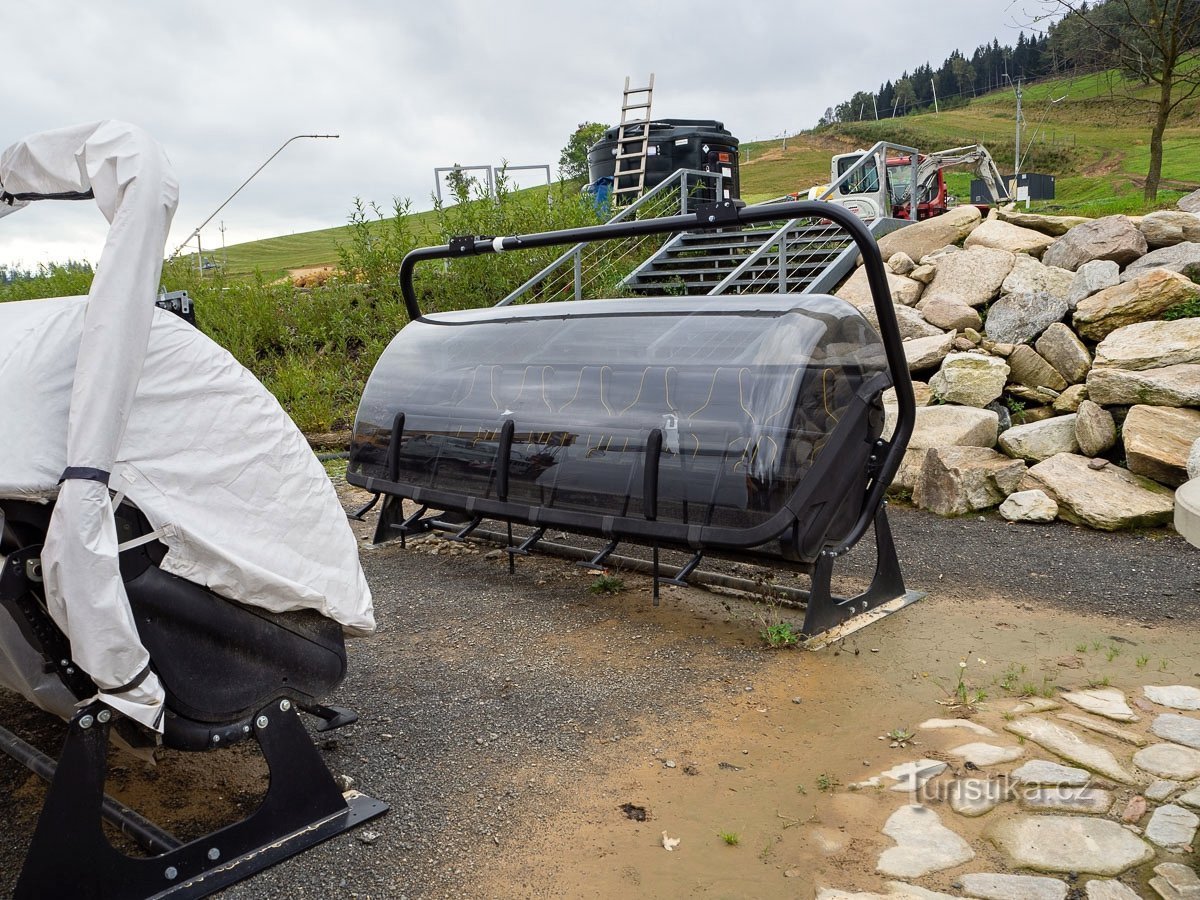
679, 178
753, 258
725, 215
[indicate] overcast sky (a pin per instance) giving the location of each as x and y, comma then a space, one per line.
412, 86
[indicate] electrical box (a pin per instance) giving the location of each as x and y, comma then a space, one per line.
1030, 186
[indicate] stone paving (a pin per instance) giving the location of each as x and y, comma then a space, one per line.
1088, 822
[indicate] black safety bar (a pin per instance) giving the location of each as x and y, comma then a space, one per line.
727, 214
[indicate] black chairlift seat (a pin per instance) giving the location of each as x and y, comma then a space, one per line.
729, 424
230, 673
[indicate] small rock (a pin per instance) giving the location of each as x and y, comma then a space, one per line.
1173, 828
923, 844
910, 776
901, 263
797, 699
1175, 696
1191, 798
988, 886
1134, 810
1107, 702
367, 837
1097, 464
344, 783
1068, 401
668, 763
1029, 506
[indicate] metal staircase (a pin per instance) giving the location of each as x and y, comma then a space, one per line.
792, 259
633, 143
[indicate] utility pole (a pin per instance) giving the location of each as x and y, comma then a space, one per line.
875, 104
933, 83
1017, 153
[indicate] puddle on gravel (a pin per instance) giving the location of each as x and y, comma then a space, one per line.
768, 761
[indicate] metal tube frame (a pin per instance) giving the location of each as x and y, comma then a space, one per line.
726, 214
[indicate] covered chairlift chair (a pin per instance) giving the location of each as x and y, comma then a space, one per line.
744, 426
174, 561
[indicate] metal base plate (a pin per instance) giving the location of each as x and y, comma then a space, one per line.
862, 620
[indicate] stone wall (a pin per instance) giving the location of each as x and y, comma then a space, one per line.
1070, 341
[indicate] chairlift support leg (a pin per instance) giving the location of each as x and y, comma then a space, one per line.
681, 577
528, 544
596, 563
825, 611
70, 855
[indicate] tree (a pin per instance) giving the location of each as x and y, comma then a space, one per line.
1152, 40
572, 162
905, 95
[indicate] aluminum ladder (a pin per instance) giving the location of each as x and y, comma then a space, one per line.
629, 174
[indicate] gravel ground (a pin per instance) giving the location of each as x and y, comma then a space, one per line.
475, 680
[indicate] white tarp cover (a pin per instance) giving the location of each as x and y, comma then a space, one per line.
191, 437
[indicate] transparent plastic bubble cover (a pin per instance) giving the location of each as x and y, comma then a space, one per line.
746, 393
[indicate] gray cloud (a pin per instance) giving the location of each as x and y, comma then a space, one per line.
410, 87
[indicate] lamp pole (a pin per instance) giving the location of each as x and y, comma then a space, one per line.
196, 234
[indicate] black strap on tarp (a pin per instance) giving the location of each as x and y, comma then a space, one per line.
83, 473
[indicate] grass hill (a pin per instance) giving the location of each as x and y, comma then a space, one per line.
1095, 140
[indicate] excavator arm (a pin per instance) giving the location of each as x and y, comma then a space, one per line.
975, 155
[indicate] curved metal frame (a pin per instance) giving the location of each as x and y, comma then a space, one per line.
726, 214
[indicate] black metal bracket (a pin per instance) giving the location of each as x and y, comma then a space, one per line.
713, 215
359, 514
465, 531
596, 563
826, 611
71, 857
681, 577
528, 544
464, 245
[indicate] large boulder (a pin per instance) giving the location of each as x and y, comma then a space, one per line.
958, 480
1040, 440
948, 426
1110, 498
1029, 275
939, 426
1055, 226
1029, 506
1165, 227
1113, 237
970, 276
969, 379
1169, 386
1178, 258
1158, 440
857, 290
1005, 236
1095, 429
1151, 345
923, 238
1146, 296
1091, 278
1028, 368
1020, 318
912, 323
1060, 347
1190, 203
928, 352
950, 314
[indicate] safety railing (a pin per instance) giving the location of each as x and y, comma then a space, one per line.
596, 268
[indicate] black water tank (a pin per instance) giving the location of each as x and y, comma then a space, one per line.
702, 144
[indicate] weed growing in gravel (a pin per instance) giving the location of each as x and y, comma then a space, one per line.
1113, 652
729, 837
964, 693
826, 783
780, 634
607, 584
1142, 661
1081, 648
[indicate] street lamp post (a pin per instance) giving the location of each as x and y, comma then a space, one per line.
196, 234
